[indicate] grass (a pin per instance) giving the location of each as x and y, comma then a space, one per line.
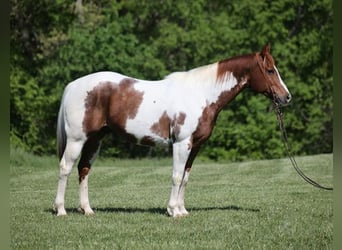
248, 205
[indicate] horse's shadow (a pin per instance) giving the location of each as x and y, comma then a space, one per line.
159, 210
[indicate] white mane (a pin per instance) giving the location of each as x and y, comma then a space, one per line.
203, 74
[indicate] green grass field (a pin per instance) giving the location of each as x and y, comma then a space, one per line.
245, 205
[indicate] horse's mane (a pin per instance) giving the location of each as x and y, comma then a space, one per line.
206, 73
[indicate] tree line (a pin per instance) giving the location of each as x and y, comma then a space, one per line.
55, 42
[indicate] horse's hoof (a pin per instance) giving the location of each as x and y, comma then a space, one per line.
177, 213
59, 210
61, 213
86, 211
89, 213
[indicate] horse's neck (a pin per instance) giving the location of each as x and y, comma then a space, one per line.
213, 83
234, 73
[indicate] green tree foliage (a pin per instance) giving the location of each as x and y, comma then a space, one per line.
55, 43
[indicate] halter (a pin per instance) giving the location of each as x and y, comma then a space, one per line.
262, 69
279, 114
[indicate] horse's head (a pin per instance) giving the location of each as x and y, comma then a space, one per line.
265, 78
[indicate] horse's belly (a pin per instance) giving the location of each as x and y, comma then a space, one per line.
148, 133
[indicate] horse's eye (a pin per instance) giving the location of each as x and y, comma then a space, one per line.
270, 71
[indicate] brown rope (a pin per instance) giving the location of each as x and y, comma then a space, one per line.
288, 151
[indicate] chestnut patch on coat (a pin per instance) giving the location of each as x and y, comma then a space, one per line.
162, 127
240, 66
176, 124
207, 121
205, 125
83, 173
124, 103
111, 104
89, 151
209, 115
165, 124
96, 107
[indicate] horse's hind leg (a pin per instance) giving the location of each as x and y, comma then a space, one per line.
89, 152
72, 151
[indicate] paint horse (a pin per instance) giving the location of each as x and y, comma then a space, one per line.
180, 109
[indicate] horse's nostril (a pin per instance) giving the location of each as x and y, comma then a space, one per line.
288, 98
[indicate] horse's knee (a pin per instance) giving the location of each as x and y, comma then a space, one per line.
69, 157
177, 179
64, 169
82, 173
180, 178
186, 177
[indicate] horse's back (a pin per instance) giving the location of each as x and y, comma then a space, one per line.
91, 80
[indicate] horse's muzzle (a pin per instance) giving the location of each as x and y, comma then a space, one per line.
283, 100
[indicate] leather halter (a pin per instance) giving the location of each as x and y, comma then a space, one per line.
267, 78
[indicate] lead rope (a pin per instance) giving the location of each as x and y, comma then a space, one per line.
284, 135
288, 151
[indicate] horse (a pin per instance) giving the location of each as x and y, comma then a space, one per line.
179, 111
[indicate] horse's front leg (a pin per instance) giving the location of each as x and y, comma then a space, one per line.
181, 151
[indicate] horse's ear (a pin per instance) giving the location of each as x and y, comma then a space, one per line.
265, 50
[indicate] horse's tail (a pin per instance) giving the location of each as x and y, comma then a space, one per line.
61, 134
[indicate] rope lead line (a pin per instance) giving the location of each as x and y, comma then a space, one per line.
288, 151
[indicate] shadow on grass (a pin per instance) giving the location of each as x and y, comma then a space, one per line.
158, 210
231, 207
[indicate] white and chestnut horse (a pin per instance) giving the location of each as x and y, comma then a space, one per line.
180, 109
